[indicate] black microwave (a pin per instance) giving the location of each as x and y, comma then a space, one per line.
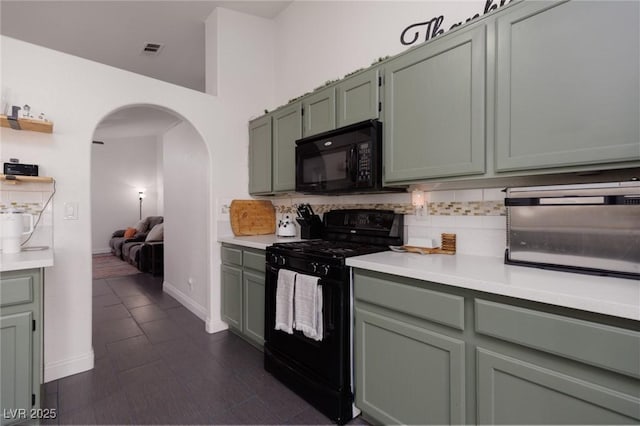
345, 160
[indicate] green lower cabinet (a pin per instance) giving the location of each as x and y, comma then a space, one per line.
407, 374
253, 288
473, 357
231, 282
20, 344
513, 391
16, 353
243, 292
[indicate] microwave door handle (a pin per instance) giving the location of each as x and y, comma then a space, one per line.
353, 163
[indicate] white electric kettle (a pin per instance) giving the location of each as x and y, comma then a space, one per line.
12, 228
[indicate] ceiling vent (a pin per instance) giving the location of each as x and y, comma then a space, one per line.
152, 49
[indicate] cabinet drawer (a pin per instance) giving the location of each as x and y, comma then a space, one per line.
254, 260
16, 290
600, 345
405, 297
231, 256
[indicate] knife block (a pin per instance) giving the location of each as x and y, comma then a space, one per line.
310, 227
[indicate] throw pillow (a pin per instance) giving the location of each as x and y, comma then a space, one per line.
156, 233
130, 232
143, 225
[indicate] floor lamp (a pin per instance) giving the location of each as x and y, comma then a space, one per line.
140, 197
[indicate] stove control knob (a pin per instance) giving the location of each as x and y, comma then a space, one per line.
325, 270
282, 260
314, 267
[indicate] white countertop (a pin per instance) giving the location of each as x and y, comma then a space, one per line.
605, 295
257, 241
26, 260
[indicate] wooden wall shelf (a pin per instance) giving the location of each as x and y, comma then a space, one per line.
26, 179
29, 124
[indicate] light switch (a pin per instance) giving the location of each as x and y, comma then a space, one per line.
71, 211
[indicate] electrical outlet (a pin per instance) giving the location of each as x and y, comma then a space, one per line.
190, 283
422, 214
223, 205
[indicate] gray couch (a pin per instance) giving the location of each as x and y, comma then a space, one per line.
118, 241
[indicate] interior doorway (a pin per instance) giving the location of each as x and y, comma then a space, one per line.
150, 167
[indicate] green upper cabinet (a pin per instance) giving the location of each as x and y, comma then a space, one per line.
319, 112
287, 128
568, 91
357, 97
434, 109
260, 155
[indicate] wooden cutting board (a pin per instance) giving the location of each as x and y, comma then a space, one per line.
425, 250
252, 217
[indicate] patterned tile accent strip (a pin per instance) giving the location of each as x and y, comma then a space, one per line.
453, 208
468, 208
33, 208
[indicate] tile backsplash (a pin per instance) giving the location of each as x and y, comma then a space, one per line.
31, 198
476, 216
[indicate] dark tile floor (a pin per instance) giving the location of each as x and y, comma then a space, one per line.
155, 364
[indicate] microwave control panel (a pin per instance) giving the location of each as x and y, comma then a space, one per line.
364, 162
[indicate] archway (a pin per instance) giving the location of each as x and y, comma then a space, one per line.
179, 192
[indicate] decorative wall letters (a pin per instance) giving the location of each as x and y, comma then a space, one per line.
423, 31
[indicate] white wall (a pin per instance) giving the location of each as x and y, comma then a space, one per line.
159, 179
242, 47
77, 94
118, 169
318, 41
186, 248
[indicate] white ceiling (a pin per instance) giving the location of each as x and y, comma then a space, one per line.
114, 32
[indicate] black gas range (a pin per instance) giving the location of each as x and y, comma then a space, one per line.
322, 371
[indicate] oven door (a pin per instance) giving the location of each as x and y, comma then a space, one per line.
325, 361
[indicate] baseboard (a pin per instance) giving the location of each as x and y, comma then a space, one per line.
68, 367
215, 326
186, 301
101, 251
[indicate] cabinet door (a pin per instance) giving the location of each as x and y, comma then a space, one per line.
406, 374
287, 128
15, 364
260, 155
231, 279
512, 391
358, 98
253, 283
434, 109
567, 94
319, 112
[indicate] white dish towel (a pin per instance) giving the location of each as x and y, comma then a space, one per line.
308, 306
284, 300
